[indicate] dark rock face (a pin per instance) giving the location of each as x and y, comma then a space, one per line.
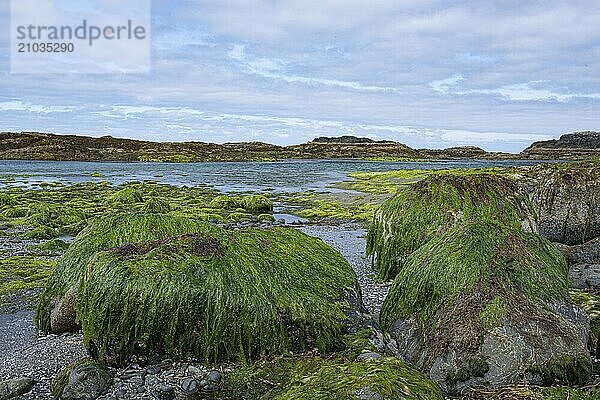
347, 139
584, 264
575, 145
567, 202
576, 140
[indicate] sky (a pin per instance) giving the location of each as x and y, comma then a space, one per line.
427, 73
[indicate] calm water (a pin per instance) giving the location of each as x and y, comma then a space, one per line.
282, 176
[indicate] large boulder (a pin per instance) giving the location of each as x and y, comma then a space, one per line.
111, 231
487, 305
428, 208
567, 201
212, 293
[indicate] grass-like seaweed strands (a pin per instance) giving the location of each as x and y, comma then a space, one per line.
427, 208
485, 257
157, 284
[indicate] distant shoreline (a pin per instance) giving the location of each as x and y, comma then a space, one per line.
28, 146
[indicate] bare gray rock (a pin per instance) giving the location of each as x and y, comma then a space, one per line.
63, 317
567, 202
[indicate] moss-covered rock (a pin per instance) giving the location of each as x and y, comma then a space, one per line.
15, 212
485, 304
336, 376
6, 199
427, 208
225, 202
589, 301
210, 293
83, 380
128, 195
257, 203
154, 205
53, 246
100, 234
41, 232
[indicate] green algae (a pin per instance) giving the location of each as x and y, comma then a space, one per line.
53, 246
589, 301
257, 203
388, 378
426, 209
128, 195
216, 294
111, 231
485, 257
40, 232
6, 200
565, 369
156, 205
389, 182
23, 272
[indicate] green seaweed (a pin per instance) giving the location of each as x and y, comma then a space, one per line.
40, 232
214, 294
23, 272
156, 205
257, 203
428, 208
388, 378
486, 257
127, 195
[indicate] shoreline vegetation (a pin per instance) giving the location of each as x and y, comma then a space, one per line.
187, 292
52, 147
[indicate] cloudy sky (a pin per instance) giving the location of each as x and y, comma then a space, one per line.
428, 73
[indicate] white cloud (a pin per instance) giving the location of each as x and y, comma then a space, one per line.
276, 69
18, 105
530, 91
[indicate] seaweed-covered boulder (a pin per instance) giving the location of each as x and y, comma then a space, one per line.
366, 380
487, 305
256, 203
429, 207
211, 293
103, 233
127, 195
567, 201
